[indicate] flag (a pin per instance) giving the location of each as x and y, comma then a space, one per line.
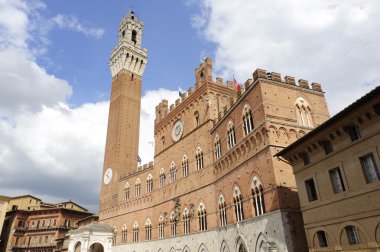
236, 85
138, 159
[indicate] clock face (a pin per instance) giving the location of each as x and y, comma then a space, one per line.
177, 130
107, 176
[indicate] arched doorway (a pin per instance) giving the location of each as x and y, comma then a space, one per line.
78, 247
96, 247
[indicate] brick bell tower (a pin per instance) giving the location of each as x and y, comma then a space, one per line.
127, 64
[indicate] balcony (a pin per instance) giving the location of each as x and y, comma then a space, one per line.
36, 245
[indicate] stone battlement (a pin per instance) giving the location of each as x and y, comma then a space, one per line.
203, 75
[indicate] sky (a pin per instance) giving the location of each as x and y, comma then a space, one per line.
55, 81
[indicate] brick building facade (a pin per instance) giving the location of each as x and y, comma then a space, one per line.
214, 184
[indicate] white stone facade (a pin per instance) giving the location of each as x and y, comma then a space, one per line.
269, 232
86, 238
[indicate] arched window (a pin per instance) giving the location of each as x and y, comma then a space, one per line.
161, 225
124, 234
258, 196
149, 183
218, 148
162, 177
222, 211
247, 120
185, 166
126, 191
238, 204
197, 120
163, 142
322, 239
352, 235
138, 187
202, 215
303, 112
231, 138
148, 230
199, 158
134, 36
135, 231
173, 224
186, 221
114, 235
173, 172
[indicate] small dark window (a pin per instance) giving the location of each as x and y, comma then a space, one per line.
322, 239
310, 189
14, 207
123, 33
132, 77
354, 132
134, 35
201, 74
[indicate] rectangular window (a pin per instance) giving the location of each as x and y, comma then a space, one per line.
311, 190
370, 169
336, 180
352, 235
353, 132
322, 239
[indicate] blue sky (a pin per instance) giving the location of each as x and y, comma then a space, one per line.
55, 81
174, 46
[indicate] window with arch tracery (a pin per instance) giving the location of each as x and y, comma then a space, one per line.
303, 112
242, 248
124, 234
199, 158
173, 173
148, 230
258, 196
114, 235
231, 137
173, 224
138, 188
202, 216
161, 226
135, 232
185, 166
238, 204
186, 221
218, 148
162, 178
126, 191
134, 36
149, 183
247, 120
222, 211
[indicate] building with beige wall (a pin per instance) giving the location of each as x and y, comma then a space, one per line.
4, 200
337, 173
214, 184
34, 226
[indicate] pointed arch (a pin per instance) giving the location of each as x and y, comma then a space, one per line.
238, 203
231, 136
186, 249
202, 248
185, 166
241, 245
257, 192
224, 247
222, 210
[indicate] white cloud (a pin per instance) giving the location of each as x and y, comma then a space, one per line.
330, 41
72, 23
148, 114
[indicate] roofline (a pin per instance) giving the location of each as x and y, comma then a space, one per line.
355, 105
26, 195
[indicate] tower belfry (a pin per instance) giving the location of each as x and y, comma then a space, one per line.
127, 64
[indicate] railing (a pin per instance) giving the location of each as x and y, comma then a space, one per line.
24, 229
36, 245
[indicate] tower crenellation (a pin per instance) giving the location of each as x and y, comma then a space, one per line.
128, 54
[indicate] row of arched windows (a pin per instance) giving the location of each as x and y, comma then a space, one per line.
248, 126
237, 201
172, 175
